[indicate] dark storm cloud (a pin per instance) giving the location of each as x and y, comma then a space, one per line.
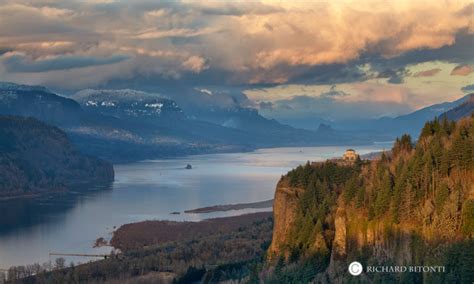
468, 88
460, 51
325, 74
394, 76
333, 92
265, 105
4, 50
18, 63
239, 9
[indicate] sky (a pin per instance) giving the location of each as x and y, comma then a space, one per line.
289, 59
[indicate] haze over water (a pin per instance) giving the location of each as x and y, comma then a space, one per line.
70, 223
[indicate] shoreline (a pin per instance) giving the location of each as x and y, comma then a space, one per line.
229, 207
32, 195
64, 189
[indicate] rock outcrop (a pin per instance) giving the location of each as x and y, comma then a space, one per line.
284, 210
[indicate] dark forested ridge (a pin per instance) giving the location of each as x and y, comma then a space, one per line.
36, 157
414, 206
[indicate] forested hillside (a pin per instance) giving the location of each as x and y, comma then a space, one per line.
36, 157
414, 206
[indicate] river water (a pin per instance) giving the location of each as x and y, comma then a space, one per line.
149, 190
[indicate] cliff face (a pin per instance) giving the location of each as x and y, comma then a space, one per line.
415, 207
36, 157
285, 207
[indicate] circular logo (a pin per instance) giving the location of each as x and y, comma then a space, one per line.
355, 268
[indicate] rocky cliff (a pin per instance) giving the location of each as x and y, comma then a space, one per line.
36, 157
412, 207
285, 207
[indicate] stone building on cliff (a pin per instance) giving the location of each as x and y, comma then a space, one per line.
350, 155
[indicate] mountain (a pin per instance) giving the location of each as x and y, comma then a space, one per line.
388, 128
232, 125
411, 123
413, 207
136, 128
463, 110
154, 118
88, 131
36, 157
38, 102
128, 125
129, 104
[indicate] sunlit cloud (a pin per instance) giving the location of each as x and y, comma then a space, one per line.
398, 52
462, 70
427, 73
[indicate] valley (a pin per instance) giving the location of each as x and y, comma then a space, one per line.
236, 142
325, 214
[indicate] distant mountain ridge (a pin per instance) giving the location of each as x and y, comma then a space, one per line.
465, 109
40, 103
128, 125
231, 125
414, 121
409, 123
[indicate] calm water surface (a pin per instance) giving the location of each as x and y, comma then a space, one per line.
70, 223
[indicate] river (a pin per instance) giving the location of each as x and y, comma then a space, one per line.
31, 228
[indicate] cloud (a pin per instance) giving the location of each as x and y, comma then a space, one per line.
265, 105
336, 59
394, 76
239, 42
468, 88
462, 70
427, 73
18, 63
235, 8
333, 92
4, 50
195, 64
303, 107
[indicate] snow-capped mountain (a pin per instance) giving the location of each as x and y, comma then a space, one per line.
128, 104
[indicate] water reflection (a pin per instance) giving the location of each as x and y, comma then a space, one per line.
22, 214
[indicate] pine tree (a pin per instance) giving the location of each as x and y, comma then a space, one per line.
382, 201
